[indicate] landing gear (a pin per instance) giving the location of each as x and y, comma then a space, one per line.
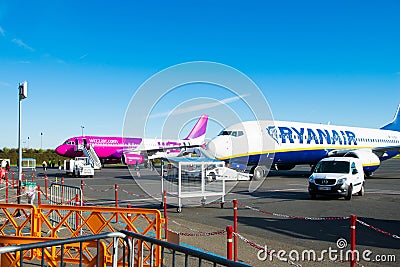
368, 174
258, 173
212, 177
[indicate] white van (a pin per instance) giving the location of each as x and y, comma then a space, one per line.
340, 176
80, 166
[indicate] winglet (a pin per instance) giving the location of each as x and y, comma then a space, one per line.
199, 128
395, 124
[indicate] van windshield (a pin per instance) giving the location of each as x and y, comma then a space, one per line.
332, 167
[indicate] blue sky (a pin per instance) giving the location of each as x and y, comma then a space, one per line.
315, 61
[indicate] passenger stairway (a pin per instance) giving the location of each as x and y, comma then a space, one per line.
92, 155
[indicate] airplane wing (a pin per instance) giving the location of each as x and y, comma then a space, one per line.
156, 148
173, 145
383, 151
378, 151
370, 157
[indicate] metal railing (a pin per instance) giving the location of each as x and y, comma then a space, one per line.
124, 252
45, 248
179, 255
62, 194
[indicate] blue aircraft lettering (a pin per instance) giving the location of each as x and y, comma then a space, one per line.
318, 136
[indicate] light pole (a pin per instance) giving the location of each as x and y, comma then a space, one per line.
23, 93
82, 127
41, 140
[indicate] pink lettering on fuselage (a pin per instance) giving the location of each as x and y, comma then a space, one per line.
103, 141
168, 144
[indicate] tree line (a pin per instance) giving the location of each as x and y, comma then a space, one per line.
39, 154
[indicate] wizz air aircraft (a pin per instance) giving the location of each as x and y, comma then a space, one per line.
131, 150
282, 144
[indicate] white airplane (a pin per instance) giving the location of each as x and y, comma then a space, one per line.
281, 145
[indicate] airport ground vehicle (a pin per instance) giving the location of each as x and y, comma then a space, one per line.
80, 166
215, 172
225, 173
340, 176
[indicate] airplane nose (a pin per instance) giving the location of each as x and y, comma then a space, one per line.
211, 148
214, 149
60, 150
220, 147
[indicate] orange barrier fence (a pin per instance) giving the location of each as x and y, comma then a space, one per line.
22, 224
17, 220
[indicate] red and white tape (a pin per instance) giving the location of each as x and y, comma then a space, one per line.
378, 229
273, 253
96, 190
140, 196
269, 252
221, 232
198, 233
294, 217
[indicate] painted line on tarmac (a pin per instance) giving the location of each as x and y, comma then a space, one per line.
288, 189
233, 194
383, 191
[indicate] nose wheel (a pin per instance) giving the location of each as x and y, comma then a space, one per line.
258, 173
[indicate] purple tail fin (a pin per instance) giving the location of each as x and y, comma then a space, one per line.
199, 129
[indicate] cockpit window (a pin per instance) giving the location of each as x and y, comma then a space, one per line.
232, 133
69, 143
225, 133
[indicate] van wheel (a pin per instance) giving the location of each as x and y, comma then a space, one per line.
362, 191
313, 196
349, 193
212, 177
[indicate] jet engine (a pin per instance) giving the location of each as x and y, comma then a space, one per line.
132, 159
369, 159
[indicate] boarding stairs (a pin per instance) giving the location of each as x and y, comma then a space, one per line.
93, 157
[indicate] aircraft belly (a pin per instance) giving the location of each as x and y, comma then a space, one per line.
290, 157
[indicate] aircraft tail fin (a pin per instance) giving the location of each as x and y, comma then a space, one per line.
395, 124
199, 129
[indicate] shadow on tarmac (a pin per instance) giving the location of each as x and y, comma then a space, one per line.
326, 230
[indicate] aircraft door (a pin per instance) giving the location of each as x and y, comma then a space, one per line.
76, 144
85, 143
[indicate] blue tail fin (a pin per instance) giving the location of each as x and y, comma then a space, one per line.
395, 124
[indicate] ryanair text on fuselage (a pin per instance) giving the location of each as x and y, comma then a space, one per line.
311, 136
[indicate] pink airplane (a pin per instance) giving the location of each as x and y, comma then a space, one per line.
132, 150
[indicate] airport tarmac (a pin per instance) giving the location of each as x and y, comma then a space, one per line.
264, 215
